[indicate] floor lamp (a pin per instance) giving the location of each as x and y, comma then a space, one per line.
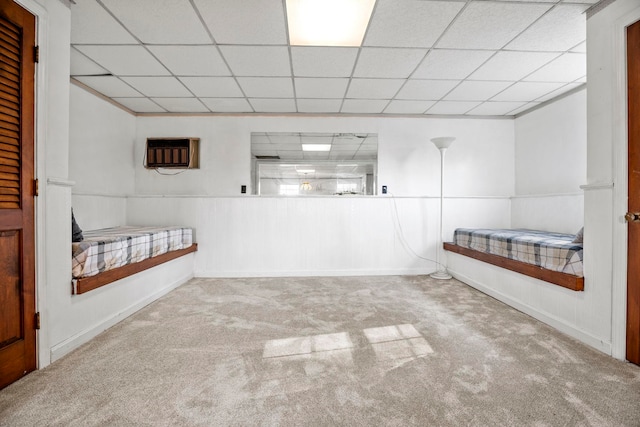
442, 143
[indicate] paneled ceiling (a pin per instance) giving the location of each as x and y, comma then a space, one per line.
453, 57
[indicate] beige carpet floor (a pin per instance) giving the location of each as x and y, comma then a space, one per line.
367, 351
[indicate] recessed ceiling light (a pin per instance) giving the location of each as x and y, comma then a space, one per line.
316, 147
328, 22
306, 171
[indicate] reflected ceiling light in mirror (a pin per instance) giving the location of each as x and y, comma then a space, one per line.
306, 185
316, 147
328, 22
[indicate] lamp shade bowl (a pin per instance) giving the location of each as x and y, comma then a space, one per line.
443, 142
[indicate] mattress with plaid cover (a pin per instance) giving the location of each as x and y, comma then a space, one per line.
552, 251
110, 248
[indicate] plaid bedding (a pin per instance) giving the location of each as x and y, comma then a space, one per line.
110, 248
552, 251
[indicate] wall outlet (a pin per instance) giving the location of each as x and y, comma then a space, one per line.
243, 189
384, 189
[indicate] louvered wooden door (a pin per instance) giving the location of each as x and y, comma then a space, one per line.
17, 244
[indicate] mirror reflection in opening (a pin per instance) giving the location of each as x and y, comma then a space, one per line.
308, 164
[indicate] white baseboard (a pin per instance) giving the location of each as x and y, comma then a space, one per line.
66, 346
550, 320
314, 273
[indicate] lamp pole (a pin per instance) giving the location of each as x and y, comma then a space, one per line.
441, 143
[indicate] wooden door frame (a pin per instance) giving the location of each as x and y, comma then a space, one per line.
620, 187
43, 357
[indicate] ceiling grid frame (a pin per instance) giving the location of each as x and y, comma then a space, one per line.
402, 106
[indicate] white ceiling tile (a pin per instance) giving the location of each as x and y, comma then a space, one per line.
559, 30
489, 25
386, 62
266, 105
566, 68
374, 88
315, 155
363, 106
109, 86
426, 89
287, 146
319, 105
257, 146
495, 108
223, 87
227, 105
409, 23
524, 108
285, 138
316, 138
581, 48
559, 92
266, 87
140, 105
83, 66
160, 21
264, 153
452, 107
323, 61
191, 60
526, 91
320, 88
581, 80
361, 154
345, 147
338, 155
295, 155
257, 61
512, 65
92, 24
476, 91
451, 64
408, 107
244, 22
182, 105
125, 60
158, 86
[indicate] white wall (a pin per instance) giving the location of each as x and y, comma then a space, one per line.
269, 236
320, 236
480, 162
606, 192
551, 165
89, 141
100, 160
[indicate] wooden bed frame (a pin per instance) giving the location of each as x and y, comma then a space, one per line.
86, 284
565, 280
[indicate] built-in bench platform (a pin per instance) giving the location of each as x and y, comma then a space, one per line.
111, 254
86, 284
552, 257
565, 280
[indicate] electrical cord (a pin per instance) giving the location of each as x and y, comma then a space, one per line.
400, 232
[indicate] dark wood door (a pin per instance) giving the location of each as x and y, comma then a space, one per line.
633, 262
17, 244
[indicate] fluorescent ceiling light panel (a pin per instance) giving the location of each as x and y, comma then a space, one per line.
316, 147
328, 22
306, 170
